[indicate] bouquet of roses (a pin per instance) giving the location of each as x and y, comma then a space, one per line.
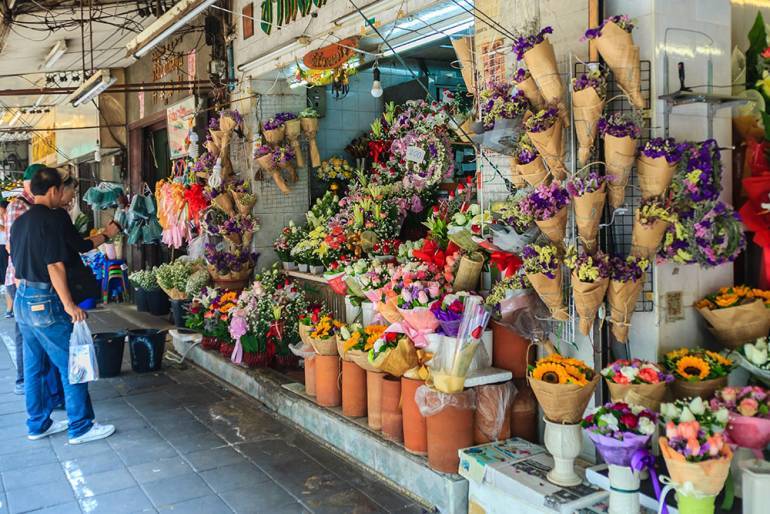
526, 163
621, 135
393, 353
749, 409
618, 430
335, 168
500, 101
698, 372
590, 279
524, 81
414, 304
651, 221
626, 282
588, 194
547, 204
536, 51
656, 165
545, 131
563, 387
543, 268
449, 312
613, 40
637, 381
589, 92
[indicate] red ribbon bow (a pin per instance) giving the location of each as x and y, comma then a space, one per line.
507, 263
377, 148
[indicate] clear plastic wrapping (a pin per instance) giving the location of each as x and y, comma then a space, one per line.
493, 408
431, 402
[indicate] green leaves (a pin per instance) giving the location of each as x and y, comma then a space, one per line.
757, 43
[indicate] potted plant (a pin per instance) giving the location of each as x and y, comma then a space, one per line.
144, 281
290, 235
697, 372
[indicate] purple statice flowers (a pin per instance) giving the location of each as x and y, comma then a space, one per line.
718, 234
521, 44
618, 125
702, 177
501, 101
542, 121
541, 258
520, 75
263, 150
278, 120
622, 20
229, 262
594, 79
629, 269
524, 151
588, 183
545, 201
664, 147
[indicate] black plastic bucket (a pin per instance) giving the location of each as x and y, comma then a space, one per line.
147, 347
140, 297
157, 302
179, 310
109, 352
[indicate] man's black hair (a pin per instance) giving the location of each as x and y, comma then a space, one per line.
43, 180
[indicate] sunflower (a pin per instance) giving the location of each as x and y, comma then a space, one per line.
727, 300
575, 375
355, 338
719, 358
551, 373
693, 367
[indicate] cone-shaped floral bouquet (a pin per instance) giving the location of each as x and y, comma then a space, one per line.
613, 40
589, 92
626, 282
501, 101
274, 129
221, 133
545, 131
657, 164
547, 205
589, 195
590, 278
309, 121
511, 229
524, 81
651, 220
526, 163
221, 198
242, 196
293, 131
538, 55
621, 135
543, 268
563, 387
638, 382
266, 160
283, 156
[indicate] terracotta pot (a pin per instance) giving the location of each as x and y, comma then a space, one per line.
509, 350
327, 380
374, 399
524, 412
392, 425
448, 431
705, 388
488, 409
415, 430
353, 390
310, 376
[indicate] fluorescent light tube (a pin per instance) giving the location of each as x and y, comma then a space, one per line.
55, 54
15, 118
91, 88
176, 17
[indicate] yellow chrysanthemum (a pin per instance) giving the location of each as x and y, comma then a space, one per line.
718, 357
693, 367
551, 373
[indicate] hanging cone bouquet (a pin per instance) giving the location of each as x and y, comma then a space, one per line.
637, 382
651, 221
545, 131
589, 92
244, 201
528, 163
621, 135
309, 122
265, 158
547, 205
524, 81
511, 228
590, 278
293, 131
538, 55
283, 156
221, 134
463, 48
656, 165
588, 196
543, 268
501, 101
563, 387
613, 40
274, 129
626, 282
222, 200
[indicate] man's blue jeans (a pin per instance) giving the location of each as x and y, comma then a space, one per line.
46, 329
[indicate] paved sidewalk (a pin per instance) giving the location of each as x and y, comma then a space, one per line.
186, 443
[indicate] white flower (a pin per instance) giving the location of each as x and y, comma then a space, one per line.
629, 372
636, 409
755, 354
722, 415
646, 426
459, 219
686, 415
608, 420
669, 411
761, 343
696, 406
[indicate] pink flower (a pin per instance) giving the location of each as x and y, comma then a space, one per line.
688, 429
729, 394
433, 290
748, 407
649, 375
715, 443
238, 327
671, 431
422, 297
693, 445
620, 379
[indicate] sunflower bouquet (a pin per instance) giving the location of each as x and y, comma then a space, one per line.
736, 315
335, 168
563, 386
697, 371
323, 337
360, 342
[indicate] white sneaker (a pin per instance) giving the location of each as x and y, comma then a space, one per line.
97, 432
55, 428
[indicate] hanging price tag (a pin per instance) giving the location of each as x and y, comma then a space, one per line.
415, 154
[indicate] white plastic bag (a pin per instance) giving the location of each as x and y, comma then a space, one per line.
83, 366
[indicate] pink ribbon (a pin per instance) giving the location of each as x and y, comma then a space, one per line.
237, 356
418, 337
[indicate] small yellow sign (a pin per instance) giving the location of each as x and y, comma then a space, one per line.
43, 146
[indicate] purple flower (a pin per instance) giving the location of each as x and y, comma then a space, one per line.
668, 148
541, 258
623, 21
618, 125
545, 201
526, 42
542, 121
589, 183
278, 120
595, 80
630, 269
521, 75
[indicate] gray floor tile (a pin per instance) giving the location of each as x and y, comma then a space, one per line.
205, 505
17, 442
64, 508
126, 501
216, 458
25, 458
234, 476
87, 485
160, 469
346, 501
23, 478
139, 454
170, 491
291, 508
66, 451
37, 497
261, 498
92, 464
189, 443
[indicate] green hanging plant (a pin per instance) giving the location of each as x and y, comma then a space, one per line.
266, 23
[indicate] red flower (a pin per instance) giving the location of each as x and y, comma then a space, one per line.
629, 420
476, 334
766, 53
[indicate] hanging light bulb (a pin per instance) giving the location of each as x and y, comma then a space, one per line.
376, 84
98, 152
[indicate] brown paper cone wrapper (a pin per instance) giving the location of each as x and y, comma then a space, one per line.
588, 297
555, 228
516, 179
235, 239
646, 395
533, 172
324, 346
310, 129
646, 239
212, 147
622, 56
563, 403
247, 237
550, 147
267, 163
398, 360
622, 297
549, 290
707, 476
362, 359
530, 90
288, 167
227, 164
587, 108
464, 54
389, 310
224, 202
619, 157
293, 131
275, 136
341, 350
468, 273
304, 333
655, 175
705, 389
588, 214
278, 179
737, 325
244, 207
541, 63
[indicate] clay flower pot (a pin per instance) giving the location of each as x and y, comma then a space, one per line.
415, 429
509, 350
392, 427
327, 383
374, 399
353, 390
448, 431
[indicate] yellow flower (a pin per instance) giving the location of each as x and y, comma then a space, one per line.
677, 354
727, 300
693, 367
229, 297
576, 376
719, 358
355, 338
550, 372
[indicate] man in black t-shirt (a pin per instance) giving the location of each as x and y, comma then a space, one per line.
45, 313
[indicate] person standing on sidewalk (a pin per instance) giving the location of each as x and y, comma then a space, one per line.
4, 256
45, 313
